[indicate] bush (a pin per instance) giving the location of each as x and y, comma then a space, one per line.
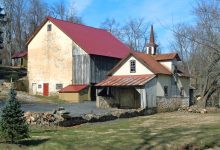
13, 126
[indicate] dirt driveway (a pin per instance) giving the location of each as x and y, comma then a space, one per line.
74, 109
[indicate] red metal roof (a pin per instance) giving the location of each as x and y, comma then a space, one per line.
73, 88
126, 80
19, 54
93, 40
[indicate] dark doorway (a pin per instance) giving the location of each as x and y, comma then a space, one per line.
93, 92
191, 98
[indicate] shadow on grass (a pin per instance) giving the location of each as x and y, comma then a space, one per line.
175, 138
44, 130
33, 142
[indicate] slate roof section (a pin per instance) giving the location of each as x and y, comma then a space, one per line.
93, 40
19, 54
73, 88
126, 80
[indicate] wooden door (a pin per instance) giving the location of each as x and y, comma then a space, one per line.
34, 88
46, 89
126, 98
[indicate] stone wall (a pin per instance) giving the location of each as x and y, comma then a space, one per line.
62, 118
165, 104
105, 102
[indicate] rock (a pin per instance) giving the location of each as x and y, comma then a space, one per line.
26, 114
203, 111
198, 98
190, 110
32, 119
61, 108
61, 112
88, 117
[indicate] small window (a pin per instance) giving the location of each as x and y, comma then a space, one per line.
150, 50
181, 91
39, 86
59, 86
49, 27
132, 66
165, 89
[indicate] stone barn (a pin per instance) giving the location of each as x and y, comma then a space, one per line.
63, 53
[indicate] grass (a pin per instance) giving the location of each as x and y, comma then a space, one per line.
175, 130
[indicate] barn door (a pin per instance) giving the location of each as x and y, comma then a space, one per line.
46, 89
34, 88
126, 98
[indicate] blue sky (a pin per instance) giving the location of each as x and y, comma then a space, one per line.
164, 14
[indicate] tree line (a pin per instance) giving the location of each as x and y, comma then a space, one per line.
198, 44
24, 16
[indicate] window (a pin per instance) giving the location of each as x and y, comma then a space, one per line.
132, 66
39, 86
165, 89
181, 91
59, 86
150, 50
49, 27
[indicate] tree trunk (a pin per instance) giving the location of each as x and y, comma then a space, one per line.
202, 102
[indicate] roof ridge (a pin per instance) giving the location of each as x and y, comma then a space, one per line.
49, 17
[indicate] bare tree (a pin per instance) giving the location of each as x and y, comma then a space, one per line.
59, 10
37, 11
65, 11
200, 49
112, 26
134, 33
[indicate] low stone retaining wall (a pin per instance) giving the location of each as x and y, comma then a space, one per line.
62, 118
165, 104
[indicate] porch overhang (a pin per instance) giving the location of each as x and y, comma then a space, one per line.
126, 80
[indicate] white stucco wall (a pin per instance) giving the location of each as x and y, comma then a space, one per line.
125, 68
163, 80
184, 82
50, 58
169, 64
173, 91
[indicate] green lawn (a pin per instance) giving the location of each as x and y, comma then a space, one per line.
175, 130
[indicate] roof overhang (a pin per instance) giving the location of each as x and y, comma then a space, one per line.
73, 88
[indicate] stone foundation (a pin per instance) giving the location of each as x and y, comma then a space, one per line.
165, 104
105, 102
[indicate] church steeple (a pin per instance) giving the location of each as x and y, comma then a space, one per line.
151, 47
